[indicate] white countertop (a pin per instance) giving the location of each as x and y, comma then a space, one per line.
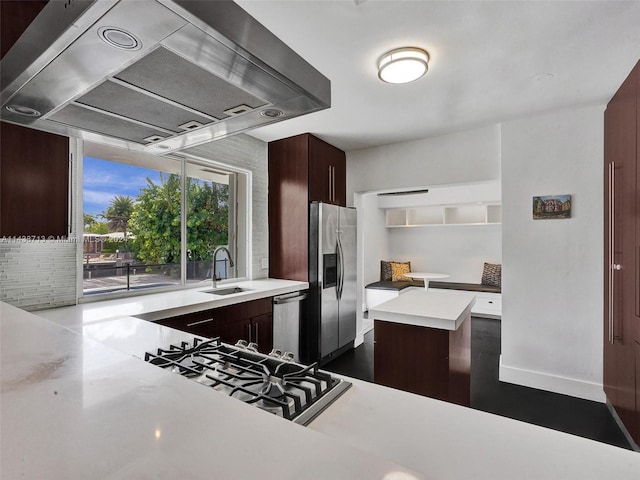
446, 441
114, 322
73, 407
436, 309
155, 306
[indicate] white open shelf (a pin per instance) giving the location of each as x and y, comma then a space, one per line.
444, 215
463, 204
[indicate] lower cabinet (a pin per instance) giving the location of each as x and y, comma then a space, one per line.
428, 361
251, 321
261, 328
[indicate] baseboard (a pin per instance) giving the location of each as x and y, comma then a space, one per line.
552, 383
366, 327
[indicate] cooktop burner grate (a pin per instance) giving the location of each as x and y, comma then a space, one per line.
271, 382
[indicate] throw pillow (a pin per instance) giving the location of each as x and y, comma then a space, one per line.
385, 271
492, 274
398, 271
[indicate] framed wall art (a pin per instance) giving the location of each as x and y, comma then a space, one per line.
551, 207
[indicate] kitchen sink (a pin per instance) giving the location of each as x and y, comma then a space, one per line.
227, 291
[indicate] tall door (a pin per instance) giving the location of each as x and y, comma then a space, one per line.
621, 254
347, 284
328, 251
637, 245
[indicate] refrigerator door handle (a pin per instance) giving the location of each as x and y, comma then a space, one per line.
340, 254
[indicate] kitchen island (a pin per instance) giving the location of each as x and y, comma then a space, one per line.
82, 404
423, 344
73, 408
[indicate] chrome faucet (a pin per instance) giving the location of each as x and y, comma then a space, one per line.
213, 271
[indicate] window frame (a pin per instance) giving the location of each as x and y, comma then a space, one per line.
239, 208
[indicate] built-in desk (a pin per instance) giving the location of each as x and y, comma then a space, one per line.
422, 344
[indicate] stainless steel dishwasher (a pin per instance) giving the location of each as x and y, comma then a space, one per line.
287, 314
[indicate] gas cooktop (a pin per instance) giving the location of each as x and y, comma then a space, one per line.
273, 382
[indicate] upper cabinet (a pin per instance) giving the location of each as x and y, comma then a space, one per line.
34, 183
15, 17
327, 172
302, 169
34, 165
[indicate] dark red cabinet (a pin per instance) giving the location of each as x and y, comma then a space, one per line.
34, 183
302, 169
428, 361
34, 165
622, 252
251, 321
327, 172
15, 17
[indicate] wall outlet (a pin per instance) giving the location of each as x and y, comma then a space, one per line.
265, 263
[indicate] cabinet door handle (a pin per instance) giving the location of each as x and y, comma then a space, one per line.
330, 180
200, 322
256, 333
333, 182
611, 251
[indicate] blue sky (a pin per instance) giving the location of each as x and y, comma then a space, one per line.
103, 180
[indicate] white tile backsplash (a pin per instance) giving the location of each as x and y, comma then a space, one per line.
37, 275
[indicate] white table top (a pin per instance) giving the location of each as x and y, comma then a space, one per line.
428, 275
436, 309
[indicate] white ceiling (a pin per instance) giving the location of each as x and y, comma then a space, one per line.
489, 61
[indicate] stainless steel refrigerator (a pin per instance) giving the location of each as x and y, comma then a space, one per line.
331, 323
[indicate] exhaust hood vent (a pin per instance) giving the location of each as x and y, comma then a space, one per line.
154, 75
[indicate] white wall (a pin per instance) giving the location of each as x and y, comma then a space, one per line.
371, 244
468, 156
459, 251
552, 269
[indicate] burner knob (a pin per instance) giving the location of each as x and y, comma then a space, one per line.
253, 347
287, 357
276, 352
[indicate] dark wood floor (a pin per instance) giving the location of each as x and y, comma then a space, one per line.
560, 412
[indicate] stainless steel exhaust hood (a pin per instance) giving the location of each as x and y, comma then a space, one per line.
154, 75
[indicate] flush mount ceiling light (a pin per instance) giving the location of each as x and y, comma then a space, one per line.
403, 65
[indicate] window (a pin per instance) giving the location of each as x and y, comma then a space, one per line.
152, 222
209, 221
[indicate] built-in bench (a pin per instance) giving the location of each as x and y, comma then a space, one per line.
469, 287
488, 298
